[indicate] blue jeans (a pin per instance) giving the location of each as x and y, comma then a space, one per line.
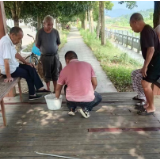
88, 105
30, 75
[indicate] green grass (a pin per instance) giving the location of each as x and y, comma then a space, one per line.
117, 64
63, 37
28, 48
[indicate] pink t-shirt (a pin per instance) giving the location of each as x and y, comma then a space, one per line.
77, 76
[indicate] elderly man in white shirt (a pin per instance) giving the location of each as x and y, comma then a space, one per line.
11, 68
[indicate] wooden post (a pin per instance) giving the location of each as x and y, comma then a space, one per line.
3, 28
3, 113
3, 31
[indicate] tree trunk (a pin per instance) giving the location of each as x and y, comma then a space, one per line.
91, 18
156, 15
16, 24
16, 21
103, 40
99, 21
85, 21
39, 23
83, 24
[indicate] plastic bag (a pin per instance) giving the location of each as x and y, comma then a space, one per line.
36, 50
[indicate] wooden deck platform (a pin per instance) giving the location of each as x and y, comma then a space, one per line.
32, 127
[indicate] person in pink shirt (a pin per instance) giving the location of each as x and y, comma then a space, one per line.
80, 82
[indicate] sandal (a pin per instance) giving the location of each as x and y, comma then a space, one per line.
140, 104
136, 98
138, 107
145, 113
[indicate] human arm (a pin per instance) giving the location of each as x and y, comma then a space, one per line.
58, 39
149, 55
7, 70
60, 83
38, 40
94, 82
58, 90
93, 78
148, 42
18, 56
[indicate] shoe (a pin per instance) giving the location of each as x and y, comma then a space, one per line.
43, 91
84, 113
71, 113
35, 97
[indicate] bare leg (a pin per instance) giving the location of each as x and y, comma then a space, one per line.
54, 84
149, 95
48, 86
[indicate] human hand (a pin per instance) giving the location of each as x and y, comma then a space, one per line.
144, 71
30, 64
10, 79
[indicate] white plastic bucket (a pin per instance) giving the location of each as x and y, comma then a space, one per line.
52, 102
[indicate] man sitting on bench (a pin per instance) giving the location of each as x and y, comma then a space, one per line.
11, 68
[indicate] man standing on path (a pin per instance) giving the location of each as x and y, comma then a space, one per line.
80, 79
11, 68
48, 40
151, 53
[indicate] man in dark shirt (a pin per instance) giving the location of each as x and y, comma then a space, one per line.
48, 40
150, 50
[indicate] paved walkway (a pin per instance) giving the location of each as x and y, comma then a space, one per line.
76, 43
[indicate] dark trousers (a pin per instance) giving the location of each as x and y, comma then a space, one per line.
30, 75
88, 105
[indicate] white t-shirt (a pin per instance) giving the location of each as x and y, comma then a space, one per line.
7, 51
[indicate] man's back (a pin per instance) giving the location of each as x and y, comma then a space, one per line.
77, 76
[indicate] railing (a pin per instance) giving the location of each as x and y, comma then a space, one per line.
124, 38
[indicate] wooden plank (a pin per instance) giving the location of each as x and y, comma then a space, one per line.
71, 133
6, 87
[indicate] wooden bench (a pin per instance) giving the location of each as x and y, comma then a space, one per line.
4, 90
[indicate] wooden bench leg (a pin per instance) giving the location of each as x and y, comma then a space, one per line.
20, 91
3, 113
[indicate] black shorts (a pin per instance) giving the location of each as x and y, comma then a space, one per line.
50, 67
153, 72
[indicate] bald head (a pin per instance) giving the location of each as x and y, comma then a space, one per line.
136, 22
71, 55
16, 35
136, 17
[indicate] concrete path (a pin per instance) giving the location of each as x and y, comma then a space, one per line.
75, 42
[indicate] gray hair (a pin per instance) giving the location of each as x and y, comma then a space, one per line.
48, 18
136, 17
15, 30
